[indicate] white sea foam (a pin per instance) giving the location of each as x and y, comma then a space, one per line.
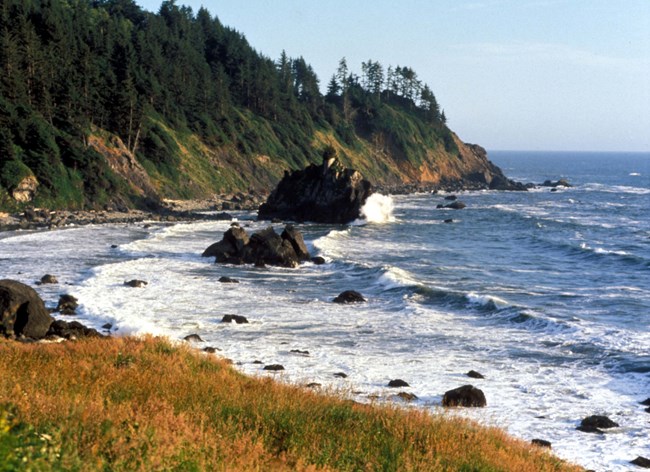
635, 174
378, 209
486, 300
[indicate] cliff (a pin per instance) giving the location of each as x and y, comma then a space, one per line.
116, 106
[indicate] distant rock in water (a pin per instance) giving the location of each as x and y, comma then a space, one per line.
349, 296
328, 193
265, 247
467, 396
557, 183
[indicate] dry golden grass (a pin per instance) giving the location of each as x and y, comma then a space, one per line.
145, 404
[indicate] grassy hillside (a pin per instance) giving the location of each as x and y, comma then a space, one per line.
102, 102
127, 404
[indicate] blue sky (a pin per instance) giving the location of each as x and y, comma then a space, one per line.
510, 74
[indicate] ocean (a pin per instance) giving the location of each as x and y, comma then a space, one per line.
546, 293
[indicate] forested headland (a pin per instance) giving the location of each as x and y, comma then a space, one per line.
102, 102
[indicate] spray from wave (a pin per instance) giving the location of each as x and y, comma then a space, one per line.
378, 209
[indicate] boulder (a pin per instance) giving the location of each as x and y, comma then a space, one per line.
67, 305
268, 247
274, 367
341, 375
641, 462
475, 375
406, 396
297, 242
541, 443
457, 205
467, 396
557, 183
193, 338
72, 330
228, 280
262, 248
49, 279
318, 260
646, 402
395, 383
22, 311
326, 193
595, 424
135, 283
239, 319
349, 296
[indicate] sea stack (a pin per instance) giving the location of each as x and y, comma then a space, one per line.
328, 193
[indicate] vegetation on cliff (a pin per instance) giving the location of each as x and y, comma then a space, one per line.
127, 404
101, 101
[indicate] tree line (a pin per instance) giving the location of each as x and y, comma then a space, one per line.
69, 67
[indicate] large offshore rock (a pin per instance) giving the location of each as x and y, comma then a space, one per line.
328, 193
265, 247
22, 312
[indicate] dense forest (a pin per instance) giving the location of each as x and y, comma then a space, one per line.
102, 101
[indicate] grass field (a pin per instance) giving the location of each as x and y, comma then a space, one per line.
126, 404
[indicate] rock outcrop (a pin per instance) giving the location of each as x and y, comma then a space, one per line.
22, 312
328, 193
265, 247
467, 396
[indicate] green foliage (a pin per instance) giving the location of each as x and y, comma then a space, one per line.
160, 80
12, 172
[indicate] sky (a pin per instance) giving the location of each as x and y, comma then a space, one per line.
510, 74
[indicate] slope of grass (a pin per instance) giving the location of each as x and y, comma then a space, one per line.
146, 404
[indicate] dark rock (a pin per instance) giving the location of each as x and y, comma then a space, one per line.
22, 311
395, 383
457, 205
341, 375
541, 443
72, 330
439, 206
641, 462
298, 351
233, 242
209, 350
554, 190
263, 247
114, 246
313, 385
239, 319
646, 402
501, 182
475, 375
595, 424
49, 279
327, 193
228, 280
467, 396
223, 216
349, 296
274, 367
67, 305
297, 242
107, 326
318, 260
193, 338
135, 283
557, 183
406, 396
268, 247
451, 198
258, 362
647, 410
449, 220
